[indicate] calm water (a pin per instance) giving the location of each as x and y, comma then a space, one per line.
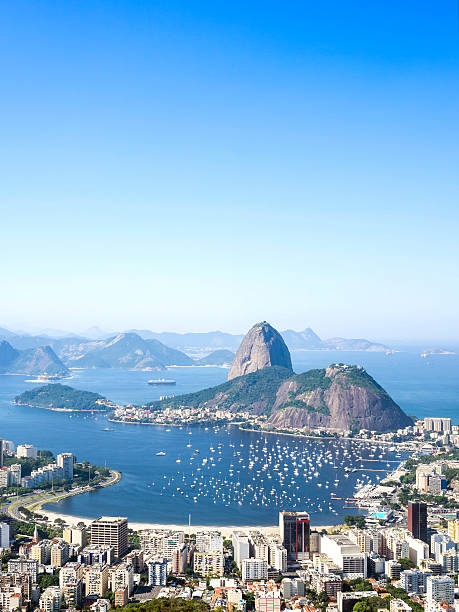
245, 478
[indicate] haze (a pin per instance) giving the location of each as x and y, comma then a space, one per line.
192, 166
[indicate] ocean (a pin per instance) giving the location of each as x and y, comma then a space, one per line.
222, 475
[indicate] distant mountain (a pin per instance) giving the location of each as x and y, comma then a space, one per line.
356, 344
194, 341
339, 397
217, 358
306, 339
262, 346
6, 333
35, 361
127, 350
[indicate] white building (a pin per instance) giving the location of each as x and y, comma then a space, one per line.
50, 599
26, 451
347, 555
209, 541
254, 569
440, 588
4, 535
240, 541
65, 461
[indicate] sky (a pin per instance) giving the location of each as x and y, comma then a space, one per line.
191, 166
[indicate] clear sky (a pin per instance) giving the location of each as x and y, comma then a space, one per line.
182, 165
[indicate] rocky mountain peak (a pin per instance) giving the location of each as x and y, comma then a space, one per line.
261, 347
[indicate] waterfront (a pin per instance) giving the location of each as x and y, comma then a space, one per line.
420, 387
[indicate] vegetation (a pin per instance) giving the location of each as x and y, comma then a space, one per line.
406, 564
371, 604
399, 593
257, 389
357, 585
61, 397
355, 521
46, 580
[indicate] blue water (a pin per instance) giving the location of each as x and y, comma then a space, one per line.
158, 489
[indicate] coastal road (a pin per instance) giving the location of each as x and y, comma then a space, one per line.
34, 501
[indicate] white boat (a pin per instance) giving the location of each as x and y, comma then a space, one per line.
161, 454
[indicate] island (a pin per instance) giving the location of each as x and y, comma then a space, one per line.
63, 398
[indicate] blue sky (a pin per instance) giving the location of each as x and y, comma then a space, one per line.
188, 165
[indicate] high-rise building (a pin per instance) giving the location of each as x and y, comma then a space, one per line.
453, 530
440, 588
241, 551
254, 569
295, 532
209, 564
417, 520
111, 531
65, 461
157, 572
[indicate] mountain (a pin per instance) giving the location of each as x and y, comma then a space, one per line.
339, 397
36, 361
356, 344
127, 350
217, 358
306, 339
262, 347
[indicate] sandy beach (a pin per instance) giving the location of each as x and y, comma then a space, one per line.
225, 530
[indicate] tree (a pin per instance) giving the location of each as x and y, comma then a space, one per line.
406, 563
362, 606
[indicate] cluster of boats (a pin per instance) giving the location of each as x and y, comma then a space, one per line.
275, 472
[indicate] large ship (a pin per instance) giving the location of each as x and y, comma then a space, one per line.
162, 381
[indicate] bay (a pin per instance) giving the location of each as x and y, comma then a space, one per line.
159, 489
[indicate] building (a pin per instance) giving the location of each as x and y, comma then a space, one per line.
392, 569
209, 541
268, 602
398, 605
345, 554
4, 535
65, 461
157, 572
440, 589
121, 597
24, 566
418, 550
209, 564
417, 520
72, 592
440, 425
101, 605
59, 553
96, 579
50, 599
111, 531
120, 577
26, 451
42, 552
241, 547
453, 530
295, 533
254, 569
414, 581
180, 559
450, 562
75, 535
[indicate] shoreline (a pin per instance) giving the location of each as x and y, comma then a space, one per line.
225, 530
102, 411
